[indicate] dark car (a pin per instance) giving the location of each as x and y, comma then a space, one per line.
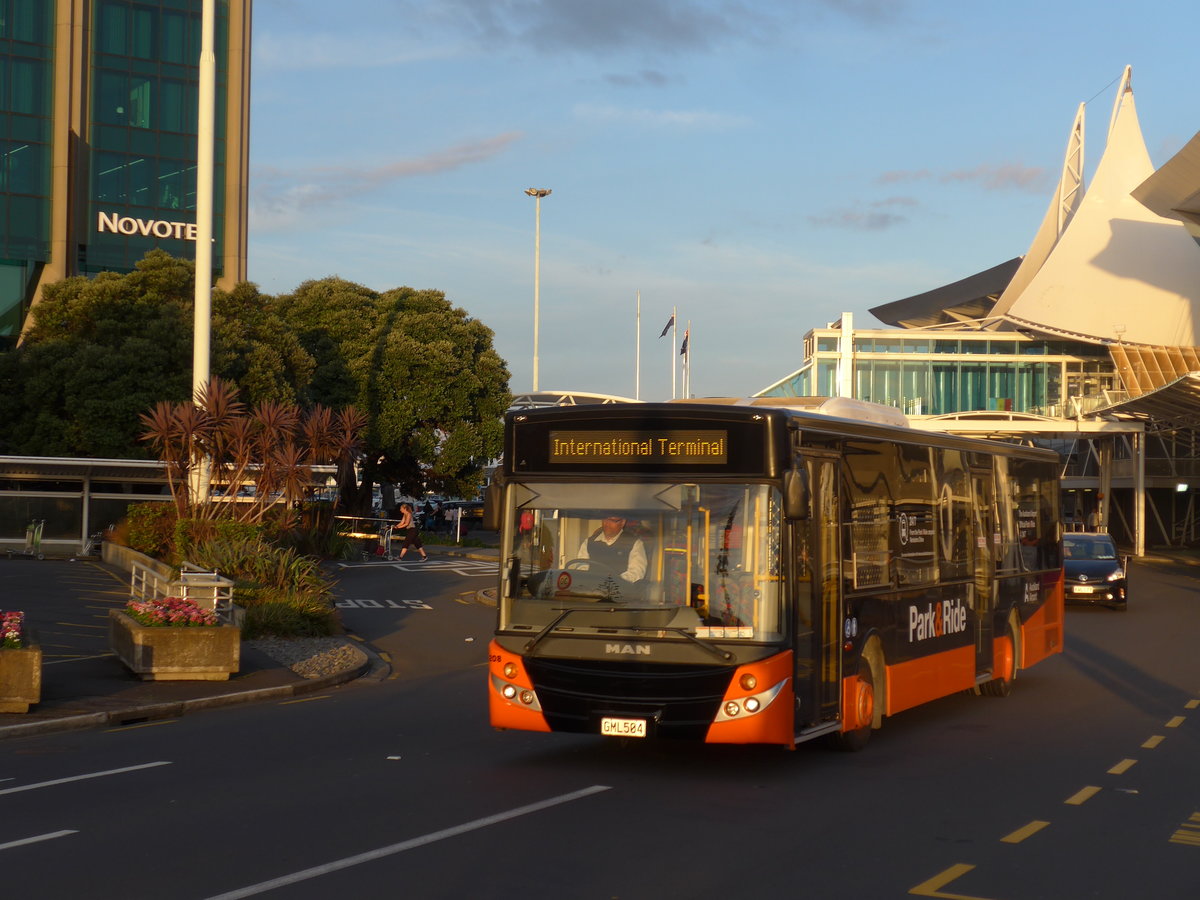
1093, 570
472, 512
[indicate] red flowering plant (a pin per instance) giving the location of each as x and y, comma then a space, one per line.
11, 630
170, 611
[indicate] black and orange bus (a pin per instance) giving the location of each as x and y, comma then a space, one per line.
800, 572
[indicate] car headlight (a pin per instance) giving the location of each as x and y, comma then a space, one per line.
1116, 575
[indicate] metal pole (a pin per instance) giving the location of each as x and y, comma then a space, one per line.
537, 194
202, 303
637, 368
202, 326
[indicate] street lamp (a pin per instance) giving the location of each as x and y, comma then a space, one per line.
537, 194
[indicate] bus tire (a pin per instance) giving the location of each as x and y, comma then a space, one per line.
853, 741
1002, 686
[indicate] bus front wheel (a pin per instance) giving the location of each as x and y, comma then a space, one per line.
864, 706
1005, 669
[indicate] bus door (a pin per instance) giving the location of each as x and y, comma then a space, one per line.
819, 615
984, 528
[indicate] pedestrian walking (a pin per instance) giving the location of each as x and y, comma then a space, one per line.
407, 527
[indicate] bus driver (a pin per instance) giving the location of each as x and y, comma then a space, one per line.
612, 546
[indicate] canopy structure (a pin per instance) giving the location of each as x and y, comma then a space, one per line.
1119, 272
966, 300
1174, 190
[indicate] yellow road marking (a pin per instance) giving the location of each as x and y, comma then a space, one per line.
1122, 767
385, 656
305, 699
1176, 722
78, 625
142, 725
1021, 833
932, 887
1153, 741
1191, 704
1189, 832
1082, 796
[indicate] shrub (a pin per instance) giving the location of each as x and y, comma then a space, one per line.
275, 619
152, 528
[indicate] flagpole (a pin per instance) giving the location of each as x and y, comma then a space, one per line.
674, 336
687, 361
637, 368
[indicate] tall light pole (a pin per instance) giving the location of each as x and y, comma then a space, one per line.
537, 194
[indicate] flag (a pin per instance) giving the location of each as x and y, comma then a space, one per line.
683, 347
667, 327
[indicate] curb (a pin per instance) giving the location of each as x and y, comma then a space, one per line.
132, 715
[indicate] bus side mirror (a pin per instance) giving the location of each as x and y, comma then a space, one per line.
795, 494
493, 500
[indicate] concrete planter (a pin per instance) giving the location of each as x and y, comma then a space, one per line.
165, 653
20, 678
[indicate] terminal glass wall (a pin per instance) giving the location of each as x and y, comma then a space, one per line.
933, 375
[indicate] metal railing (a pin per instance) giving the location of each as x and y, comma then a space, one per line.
208, 589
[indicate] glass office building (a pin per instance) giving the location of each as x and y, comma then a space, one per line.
98, 142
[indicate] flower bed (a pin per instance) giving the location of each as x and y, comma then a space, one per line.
20, 665
12, 630
171, 612
171, 639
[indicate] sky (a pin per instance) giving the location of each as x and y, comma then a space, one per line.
760, 166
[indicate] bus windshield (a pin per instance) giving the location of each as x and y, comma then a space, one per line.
693, 560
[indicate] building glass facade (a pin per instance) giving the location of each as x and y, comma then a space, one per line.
98, 140
145, 86
26, 106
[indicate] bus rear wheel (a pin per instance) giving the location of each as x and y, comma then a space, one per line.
1006, 669
864, 705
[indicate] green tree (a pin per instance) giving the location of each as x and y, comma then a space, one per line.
104, 350
423, 372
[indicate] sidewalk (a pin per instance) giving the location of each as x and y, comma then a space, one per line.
92, 688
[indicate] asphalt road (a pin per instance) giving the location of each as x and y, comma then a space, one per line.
1082, 783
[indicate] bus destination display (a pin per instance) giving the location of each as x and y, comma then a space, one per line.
676, 446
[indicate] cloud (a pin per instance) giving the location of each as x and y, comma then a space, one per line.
644, 78
876, 217
281, 196
278, 52
1007, 176
666, 118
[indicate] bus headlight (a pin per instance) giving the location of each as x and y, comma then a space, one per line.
748, 682
510, 669
527, 697
509, 691
752, 704
732, 709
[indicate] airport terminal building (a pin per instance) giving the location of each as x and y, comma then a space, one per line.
1088, 343
98, 140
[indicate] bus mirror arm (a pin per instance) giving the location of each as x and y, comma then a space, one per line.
795, 494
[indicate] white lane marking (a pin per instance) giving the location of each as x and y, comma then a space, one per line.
37, 837
423, 840
42, 784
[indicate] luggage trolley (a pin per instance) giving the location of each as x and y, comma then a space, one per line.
376, 535
33, 541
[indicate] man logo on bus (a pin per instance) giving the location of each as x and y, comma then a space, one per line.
938, 619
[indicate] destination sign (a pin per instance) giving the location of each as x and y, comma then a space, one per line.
675, 446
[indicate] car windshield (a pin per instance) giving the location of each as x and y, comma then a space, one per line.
1075, 547
694, 560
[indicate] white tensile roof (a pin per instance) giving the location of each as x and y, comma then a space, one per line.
1118, 272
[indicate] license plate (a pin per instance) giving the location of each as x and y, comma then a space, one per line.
623, 727
1082, 589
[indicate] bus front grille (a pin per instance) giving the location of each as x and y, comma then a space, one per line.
679, 701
